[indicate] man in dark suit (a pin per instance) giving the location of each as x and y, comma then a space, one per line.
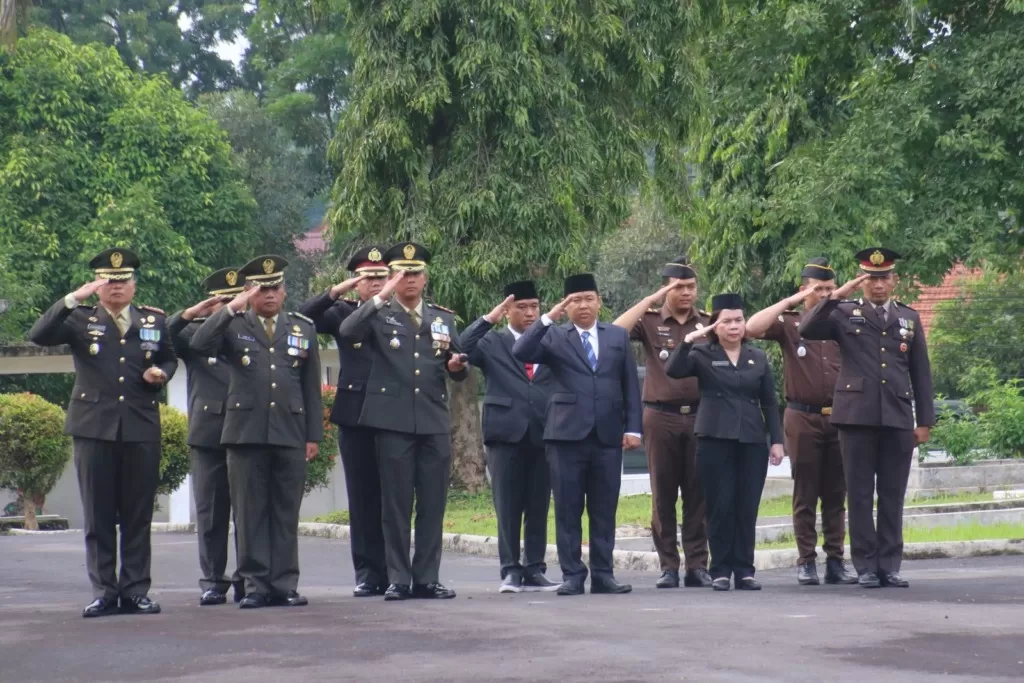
594, 415
513, 425
122, 359
413, 345
272, 426
356, 443
885, 374
207, 393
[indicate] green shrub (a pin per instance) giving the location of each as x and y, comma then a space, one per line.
174, 449
33, 449
318, 470
1002, 419
959, 437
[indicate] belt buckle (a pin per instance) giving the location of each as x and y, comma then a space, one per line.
827, 410
684, 410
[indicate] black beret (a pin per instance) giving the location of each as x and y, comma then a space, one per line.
524, 289
721, 302
680, 269
584, 282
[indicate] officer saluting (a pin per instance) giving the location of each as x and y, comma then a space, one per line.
272, 424
412, 345
207, 393
122, 359
885, 374
357, 446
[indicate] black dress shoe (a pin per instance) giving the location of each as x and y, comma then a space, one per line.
290, 599
608, 585
893, 580
253, 601
512, 583
536, 581
869, 580
138, 604
669, 579
697, 578
432, 591
212, 597
571, 586
397, 592
721, 583
807, 574
838, 572
367, 590
748, 583
100, 607
238, 590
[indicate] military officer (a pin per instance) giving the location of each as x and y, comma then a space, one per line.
357, 444
885, 375
272, 426
810, 369
659, 322
122, 360
207, 393
412, 345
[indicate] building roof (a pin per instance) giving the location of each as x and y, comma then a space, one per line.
312, 240
927, 303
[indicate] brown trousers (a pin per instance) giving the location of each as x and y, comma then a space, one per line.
817, 465
672, 462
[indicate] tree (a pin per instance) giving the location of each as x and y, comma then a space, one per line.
12, 17
94, 156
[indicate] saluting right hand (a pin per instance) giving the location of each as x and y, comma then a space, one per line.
498, 312
204, 308
701, 333
796, 299
661, 293
88, 289
341, 289
850, 287
239, 303
558, 311
389, 287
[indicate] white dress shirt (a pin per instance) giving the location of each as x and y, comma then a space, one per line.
515, 337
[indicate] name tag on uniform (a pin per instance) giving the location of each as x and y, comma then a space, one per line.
97, 328
720, 363
149, 346
857, 319
245, 337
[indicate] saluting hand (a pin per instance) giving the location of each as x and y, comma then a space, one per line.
88, 289
312, 450
204, 308
341, 289
797, 299
239, 303
661, 293
498, 312
701, 333
389, 287
558, 311
850, 287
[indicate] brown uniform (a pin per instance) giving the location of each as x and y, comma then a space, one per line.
670, 408
810, 369
885, 374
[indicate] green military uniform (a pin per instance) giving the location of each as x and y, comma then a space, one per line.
274, 408
114, 419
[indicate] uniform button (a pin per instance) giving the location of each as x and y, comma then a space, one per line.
205, 407
120, 380
417, 371
883, 381
273, 385
122, 359
83, 395
884, 334
883, 365
120, 398
272, 404
417, 336
154, 402
847, 386
273, 367
238, 405
416, 354
382, 390
271, 349
883, 349
416, 390
349, 386
857, 331
123, 342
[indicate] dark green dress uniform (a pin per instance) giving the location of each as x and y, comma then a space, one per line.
207, 393
274, 408
885, 373
407, 403
114, 419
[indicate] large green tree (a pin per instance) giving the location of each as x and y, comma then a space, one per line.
93, 155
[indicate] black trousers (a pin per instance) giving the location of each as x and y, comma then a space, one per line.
117, 481
414, 467
521, 485
876, 456
362, 481
732, 475
212, 494
585, 473
267, 484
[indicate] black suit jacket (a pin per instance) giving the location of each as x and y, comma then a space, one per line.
605, 401
207, 384
735, 401
514, 406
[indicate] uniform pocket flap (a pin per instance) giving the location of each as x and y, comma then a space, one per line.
89, 396
298, 407
239, 403
215, 407
563, 398
850, 384
354, 385
497, 401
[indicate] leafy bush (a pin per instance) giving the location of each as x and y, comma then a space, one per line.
318, 470
33, 449
1002, 420
174, 453
959, 437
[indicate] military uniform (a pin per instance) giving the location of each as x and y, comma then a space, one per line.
207, 394
407, 404
114, 419
274, 408
885, 373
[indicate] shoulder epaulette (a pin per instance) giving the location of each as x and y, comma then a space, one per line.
198, 320
441, 308
704, 313
852, 301
302, 317
654, 309
791, 312
153, 309
900, 303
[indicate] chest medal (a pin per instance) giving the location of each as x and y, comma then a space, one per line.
663, 354
801, 350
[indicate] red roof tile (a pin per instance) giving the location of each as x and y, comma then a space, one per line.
312, 240
927, 303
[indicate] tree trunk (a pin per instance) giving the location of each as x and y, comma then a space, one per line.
8, 23
468, 466
28, 505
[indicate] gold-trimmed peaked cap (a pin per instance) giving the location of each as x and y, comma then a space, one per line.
225, 281
681, 269
265, 271
877, 261
818, 269
369, 261
408, 256
116, 265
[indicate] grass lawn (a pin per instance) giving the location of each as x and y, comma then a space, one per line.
960, 532
474, 514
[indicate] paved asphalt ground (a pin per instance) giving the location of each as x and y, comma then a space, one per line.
962, 620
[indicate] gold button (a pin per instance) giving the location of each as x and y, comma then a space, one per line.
205, 407
273, 367
417, 371
416, 354
349, 386
883, 349
271, 349
382, 390
272, 404
883, 381
154, 402
273, 385
857, 331
120, 398
120, 380
417, 336
238, 405
122, 359
847, 386
883, 334
416, 390
883, 365
83, 395
123, 342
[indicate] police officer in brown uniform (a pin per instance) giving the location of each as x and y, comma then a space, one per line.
885, 375
810, 369
670, 410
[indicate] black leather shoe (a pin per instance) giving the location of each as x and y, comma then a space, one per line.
536, 581
572, 586
138, 604
893, 580
869, 580
721, 583
212, 597
432, 591
669, 579
100, 607
512, 583
608, 585
838, 572
397, 592
697, 578
253, 601
807, 574
748, 583
238, 591
290, 599
367, 590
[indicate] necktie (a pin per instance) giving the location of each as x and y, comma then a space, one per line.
123, 323
415, 318
268, 325
529, 371
591, 356
880, 310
